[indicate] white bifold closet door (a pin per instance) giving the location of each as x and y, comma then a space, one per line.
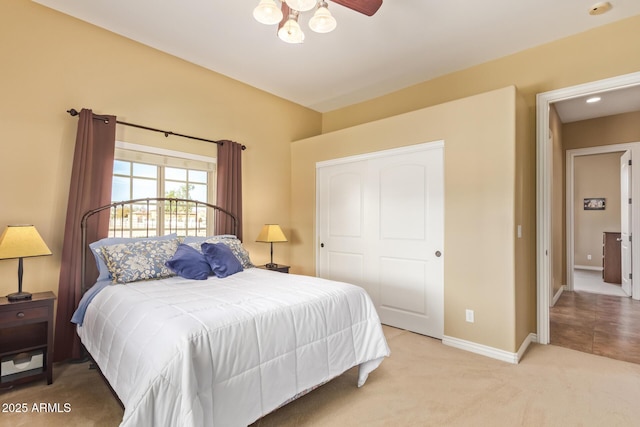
381, 226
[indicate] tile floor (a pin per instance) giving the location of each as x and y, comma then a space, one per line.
605, 325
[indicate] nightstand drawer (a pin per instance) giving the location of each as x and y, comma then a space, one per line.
24, 314
21, 365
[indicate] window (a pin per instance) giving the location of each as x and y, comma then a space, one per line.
139, 173
133, 180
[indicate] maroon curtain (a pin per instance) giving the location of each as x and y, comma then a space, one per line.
229, 186
90, 187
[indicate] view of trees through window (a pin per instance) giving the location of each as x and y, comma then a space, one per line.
135, 180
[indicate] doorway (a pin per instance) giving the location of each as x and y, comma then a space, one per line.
544, 191
590, 172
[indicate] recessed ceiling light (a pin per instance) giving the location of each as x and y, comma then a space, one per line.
600, 8
593, 99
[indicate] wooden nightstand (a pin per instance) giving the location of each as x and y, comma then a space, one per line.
279, 267
26, 327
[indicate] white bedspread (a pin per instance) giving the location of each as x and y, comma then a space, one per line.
225, 352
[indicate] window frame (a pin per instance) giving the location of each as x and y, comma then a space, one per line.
163, 158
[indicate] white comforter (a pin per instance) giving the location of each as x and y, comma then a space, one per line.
225, 352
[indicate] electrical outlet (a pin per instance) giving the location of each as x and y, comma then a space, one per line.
469, 315
589, 257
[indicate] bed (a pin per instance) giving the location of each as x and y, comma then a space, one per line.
222, 350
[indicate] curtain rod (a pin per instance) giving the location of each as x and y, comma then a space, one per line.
74, 112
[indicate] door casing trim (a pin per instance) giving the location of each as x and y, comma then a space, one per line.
544, 182
571, 155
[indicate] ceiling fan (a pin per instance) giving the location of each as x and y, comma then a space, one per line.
367, 7
267, 12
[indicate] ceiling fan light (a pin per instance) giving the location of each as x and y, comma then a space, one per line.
301, 5
267, 12
322, 21
291, 32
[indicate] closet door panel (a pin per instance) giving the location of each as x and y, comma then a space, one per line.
404, 267
342, 245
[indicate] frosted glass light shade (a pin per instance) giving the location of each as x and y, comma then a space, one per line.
291, 32
322, 21
267, 12
301, 5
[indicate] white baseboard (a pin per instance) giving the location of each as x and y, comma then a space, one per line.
491, 352
587, 267
556, 297
531, 338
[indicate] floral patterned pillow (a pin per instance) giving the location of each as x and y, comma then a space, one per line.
143, 260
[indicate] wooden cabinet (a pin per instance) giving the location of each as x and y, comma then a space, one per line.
26, 335
611, 259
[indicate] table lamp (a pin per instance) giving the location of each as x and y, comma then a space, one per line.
21, 241
271, 233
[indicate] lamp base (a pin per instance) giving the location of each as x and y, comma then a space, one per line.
271, 265
19, 296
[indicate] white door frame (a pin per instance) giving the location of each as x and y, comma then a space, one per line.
626, 222
570, 194
544, 183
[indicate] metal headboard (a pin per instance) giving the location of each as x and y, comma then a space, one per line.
158, 216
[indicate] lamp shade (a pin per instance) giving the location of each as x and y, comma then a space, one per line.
271, 233
301, 5
322, 21
267, 12
291, 32
22, 241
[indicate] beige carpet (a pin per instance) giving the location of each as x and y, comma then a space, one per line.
423, 383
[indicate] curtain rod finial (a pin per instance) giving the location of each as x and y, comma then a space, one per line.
73, 112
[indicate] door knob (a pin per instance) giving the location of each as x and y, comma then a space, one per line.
322, 245
438, 254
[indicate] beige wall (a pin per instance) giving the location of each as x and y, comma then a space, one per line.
595, 176
609, 130
525, 214
480, 205
51, 62
563, 63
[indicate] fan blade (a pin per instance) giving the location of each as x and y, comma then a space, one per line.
367, 7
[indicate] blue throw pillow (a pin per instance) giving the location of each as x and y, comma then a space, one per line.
187, 262
222, 261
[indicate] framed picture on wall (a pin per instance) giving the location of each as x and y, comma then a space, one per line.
594, 204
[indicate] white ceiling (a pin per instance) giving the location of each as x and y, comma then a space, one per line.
612, 102
405, 43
